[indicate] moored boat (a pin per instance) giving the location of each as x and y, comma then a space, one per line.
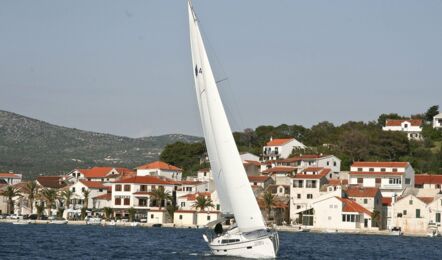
93, 221
22, 222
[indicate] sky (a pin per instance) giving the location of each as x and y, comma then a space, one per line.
124, 67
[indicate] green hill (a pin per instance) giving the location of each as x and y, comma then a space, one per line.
34, 147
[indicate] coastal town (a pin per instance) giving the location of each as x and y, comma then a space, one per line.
295, 191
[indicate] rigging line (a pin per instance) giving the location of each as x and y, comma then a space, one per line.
236, 118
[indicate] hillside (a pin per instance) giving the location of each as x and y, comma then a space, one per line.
34, 147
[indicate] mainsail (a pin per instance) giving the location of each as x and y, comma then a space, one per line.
234, 191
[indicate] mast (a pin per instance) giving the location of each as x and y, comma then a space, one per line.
234, 190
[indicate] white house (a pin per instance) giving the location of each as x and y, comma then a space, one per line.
100, 174
280, 148
159, 168
10, 178
249, 157
204, 217
412, 127
308, 160
184, 218
280, 174
371, 199
260, 181
390, 177
95, 189
428, 181
156, 216
437, 121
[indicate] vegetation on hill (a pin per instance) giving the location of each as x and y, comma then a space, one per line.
34, 147
352, 141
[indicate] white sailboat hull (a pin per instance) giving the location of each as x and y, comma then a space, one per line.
259, 247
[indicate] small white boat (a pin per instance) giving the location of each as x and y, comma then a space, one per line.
93, 221
22, 222
110, 223
134, 224
58, 221
433, 230
396, 231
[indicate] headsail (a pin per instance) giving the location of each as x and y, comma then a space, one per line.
234, 191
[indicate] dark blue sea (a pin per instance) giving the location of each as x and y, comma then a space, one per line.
96, 242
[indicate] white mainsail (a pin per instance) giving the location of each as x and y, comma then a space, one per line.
234, 190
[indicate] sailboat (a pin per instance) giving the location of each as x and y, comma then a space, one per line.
248, 236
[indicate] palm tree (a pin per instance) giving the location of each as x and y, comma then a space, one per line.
171, 208
40, 208
33, 192
49, 195
108, 212
11, 192
203, 202
376, 216
131, 212
160, 195
86, 198
67, 195
269, 202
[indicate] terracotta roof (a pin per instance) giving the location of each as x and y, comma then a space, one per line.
279, 169
421, 179
318, 170
278, 142
398, 122
193, 196
147, 180
107, 196
380, 164
309, 176
426, 200
55, 182
386, 201
256, 163
10, 175
377, 173
335, 182
94, 184
353, 206
260, 178
159, 165
357, 191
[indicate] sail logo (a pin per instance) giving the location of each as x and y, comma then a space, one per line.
200, 70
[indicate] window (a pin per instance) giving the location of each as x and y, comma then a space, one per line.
407, 181
208, 217
298, 207
82, 189
418, 213
180, 217
382, 169
151, 215
350, 218
281, 190
298, 195
143, 188
399, 215
117, 201
118, 187
410, 202
328, 163
359, 169
183, 204
394, 169
309, 196
405, 125
126, 187
73, 189
404, 212
126, 201
100, 190
142, 202
437, 217
205, 174
378, 180
394, 181
360, 180
334, 163
371, 169
365, 201
255, 183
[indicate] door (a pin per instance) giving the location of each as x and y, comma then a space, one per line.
365, 222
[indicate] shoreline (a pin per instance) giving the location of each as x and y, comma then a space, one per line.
278, 228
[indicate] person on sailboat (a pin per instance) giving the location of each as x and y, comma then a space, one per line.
219, 229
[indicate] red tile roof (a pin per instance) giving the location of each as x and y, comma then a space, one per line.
147, 180
426, 200
10, 175
335, 182
107, 196
55, 182
357, 191
260, 178
279, 169
353, 206
398, 122
193, 196
94, 184
377, 173
421, 179
386, 201
309, 176
278, 142
190, 182
381, 164
318, 170
159, 165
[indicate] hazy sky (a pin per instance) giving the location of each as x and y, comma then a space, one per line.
124, 67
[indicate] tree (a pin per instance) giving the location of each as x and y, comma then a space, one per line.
269, 202
40, 208
33, 192
108, 212
66, 196
160, 195
10, 193
376, 216
49, 196
355, 144
86, 198
383, 117
203, 202
171, 208
431, 112
131, 212
184, 155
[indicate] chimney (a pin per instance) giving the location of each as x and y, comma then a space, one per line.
271, 138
